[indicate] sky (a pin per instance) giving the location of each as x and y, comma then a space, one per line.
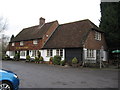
21, 14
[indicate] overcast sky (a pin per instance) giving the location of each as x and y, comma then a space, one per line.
26, 13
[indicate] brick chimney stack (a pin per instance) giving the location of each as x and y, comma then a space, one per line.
41, 21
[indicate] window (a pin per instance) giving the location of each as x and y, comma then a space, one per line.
34, 53
97, 36
12, 53
35, 41
21, 43
90, 53
13, 44
22, 53
59, 52
49, 52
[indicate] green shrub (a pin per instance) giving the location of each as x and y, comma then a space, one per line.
5, 57
17, 56
27, 58
62, 62
74, 60
36, 59
56, 60
41, 58
51, 59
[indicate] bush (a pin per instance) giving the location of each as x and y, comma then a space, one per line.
36, 59
74, 60
17, 56
56, 60
51, 59
27, 58
5, 57
41, 58
62, 63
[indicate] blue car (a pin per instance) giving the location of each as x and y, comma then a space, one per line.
8, 80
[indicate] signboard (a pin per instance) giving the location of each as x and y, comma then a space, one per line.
21, 48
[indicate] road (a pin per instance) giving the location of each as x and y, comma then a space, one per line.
48, 76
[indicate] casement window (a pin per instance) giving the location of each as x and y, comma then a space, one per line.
21, 43
49, 52
90, 53
13, 44
97, 35
35, 41
59, 52
34, 53
12, 53
22, 53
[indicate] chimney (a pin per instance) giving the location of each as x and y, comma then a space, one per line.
41, 21
12, 37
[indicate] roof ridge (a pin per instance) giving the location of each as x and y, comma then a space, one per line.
51, 21
75, 21
38, 25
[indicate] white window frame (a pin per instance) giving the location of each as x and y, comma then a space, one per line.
97, 35
59, 52
90, 53
22, 53
34, 53
35, 41
49, 52
12, 53
21, 43
13, 44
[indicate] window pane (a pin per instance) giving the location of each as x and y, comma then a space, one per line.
61, 52
22, 53
33, 53
21, 43
57, 52
35, 42
13, 44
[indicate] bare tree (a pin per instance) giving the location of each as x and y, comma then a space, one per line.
3, 24
3, 38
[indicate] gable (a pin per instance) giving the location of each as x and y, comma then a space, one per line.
70, 35
92, 43
35, 32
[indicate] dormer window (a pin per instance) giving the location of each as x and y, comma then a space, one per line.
35, 41
13, 44
21, 43
46, 35
97, 35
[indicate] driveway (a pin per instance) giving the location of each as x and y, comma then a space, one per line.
49, 76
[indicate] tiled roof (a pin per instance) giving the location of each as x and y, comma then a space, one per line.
34, 32
70, 35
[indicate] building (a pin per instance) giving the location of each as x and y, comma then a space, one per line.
80, 39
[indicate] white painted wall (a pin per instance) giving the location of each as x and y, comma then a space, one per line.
105, 56
23, 57
86, 58
10, 54
85, 54
46, 58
